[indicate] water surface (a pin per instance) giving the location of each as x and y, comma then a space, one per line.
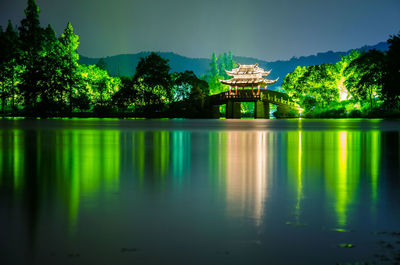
93, 191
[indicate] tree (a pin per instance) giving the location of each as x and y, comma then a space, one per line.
291, 84
321, 83
31, 37
127, 96
95, 86
198, 92
365, 76
10, 70
30, 31
391, 78
188, 86
230, 64
316, 81
102, 64
51, 87
342, 75
222, 61
153, 79
70, 57
214, 70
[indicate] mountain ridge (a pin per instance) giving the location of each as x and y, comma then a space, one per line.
125, 64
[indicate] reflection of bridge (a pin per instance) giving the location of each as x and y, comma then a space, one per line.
261, 100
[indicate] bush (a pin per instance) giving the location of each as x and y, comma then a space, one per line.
285, 112
355, 113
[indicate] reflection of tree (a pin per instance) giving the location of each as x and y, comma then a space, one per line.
152, 157
180, 154
337, 160
373, 159
49, 168
295, 169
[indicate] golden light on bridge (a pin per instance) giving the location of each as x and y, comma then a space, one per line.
247, 76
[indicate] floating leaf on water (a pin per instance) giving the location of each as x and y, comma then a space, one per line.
389, 246
378, 233
346, 245
295, 224
340, 230
128, 249
301, 225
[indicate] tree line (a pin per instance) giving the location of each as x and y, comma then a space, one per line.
40, 75
363, 84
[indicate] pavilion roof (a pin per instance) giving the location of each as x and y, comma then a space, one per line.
248, 75
251, 69
247, 82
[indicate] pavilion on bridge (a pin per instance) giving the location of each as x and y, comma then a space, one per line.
247, 76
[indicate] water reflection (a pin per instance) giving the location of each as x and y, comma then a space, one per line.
251, 162
181, 144
295, 174
240, 161
256, 178
88, 163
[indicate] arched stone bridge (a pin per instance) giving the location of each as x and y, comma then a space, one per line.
262, 100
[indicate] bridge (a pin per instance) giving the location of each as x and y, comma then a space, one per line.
261, 98
248, 76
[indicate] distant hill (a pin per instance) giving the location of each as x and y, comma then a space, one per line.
125, 64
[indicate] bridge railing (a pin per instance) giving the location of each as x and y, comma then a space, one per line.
272, 97
250, 94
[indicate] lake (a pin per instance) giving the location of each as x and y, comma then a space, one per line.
109, 191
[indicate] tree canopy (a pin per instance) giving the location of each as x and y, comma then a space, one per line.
359, 84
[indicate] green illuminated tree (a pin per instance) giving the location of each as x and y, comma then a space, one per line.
292, 86
316, 81
222, 61
10, 69
365, 76
342, 75
70, 57
214, 71
51, 87
31, 37
98, 86
213, 75
218, 65
321, 83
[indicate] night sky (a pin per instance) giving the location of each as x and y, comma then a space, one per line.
269, 30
